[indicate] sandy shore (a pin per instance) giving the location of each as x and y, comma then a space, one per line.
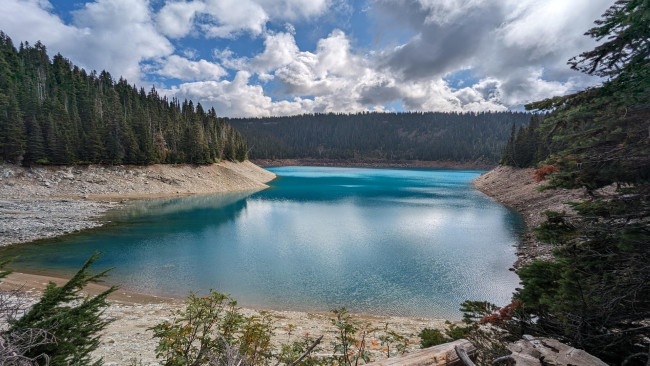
127, 338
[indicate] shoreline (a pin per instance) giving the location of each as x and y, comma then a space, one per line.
371, 163
49, 201
127, 339
517, 189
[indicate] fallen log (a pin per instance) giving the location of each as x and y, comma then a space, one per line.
443, 354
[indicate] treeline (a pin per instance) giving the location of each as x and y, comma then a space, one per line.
527, 146
56, 113
383, 136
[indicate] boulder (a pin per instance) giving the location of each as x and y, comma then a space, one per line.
532, 351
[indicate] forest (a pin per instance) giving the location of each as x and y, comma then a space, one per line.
52, 112
381, 136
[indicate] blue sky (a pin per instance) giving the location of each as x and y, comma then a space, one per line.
283, 57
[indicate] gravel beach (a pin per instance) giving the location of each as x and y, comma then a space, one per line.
44, 202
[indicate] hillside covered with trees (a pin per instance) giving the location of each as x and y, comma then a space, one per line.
381, 136
52, 112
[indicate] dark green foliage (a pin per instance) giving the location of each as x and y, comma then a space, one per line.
17, 344
556, 229
72, 319
600, 135
381, 136
595, 296
526, 148
431, 337
55, 113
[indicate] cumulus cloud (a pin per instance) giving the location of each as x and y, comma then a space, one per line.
120, 34
32, 21
176, 19
236, 98
229, 18
279, 50
183, 69
114, 35
524, 43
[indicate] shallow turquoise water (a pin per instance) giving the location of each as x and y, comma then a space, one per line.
384, 241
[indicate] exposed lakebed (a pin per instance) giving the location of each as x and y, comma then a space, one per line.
410, 242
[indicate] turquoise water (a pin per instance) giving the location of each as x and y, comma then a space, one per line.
383, 241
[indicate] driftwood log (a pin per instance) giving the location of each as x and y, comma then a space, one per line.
444, 354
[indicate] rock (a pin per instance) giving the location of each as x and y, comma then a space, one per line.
532, 351
7, 173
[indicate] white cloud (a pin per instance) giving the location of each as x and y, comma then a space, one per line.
229, 60
115, 35
279, 50
175, 19
236, 98
293, 9
522, 44
31, 21
121, 34
183, 69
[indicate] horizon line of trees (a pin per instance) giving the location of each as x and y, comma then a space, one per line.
428, 136
53, 112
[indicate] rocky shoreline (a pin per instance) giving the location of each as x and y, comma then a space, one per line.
375, 163
45, 202
517, 188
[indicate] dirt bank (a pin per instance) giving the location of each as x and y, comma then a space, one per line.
44, 202
127, 339
516, 188
370, 163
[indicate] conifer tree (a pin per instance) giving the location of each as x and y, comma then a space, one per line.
595, 296
73, 319
89, 118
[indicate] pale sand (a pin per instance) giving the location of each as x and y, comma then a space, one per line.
128, 339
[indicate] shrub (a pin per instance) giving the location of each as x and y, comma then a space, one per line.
71, 322
541, 173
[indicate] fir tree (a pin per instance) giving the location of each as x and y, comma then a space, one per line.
73, 319
595, 296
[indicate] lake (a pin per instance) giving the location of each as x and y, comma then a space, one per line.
409, 242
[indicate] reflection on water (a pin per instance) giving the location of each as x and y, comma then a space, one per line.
387, 241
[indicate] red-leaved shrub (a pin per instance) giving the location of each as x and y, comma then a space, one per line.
541, 173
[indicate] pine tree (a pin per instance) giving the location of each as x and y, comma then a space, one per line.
89, 118
601, 134
73, 319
